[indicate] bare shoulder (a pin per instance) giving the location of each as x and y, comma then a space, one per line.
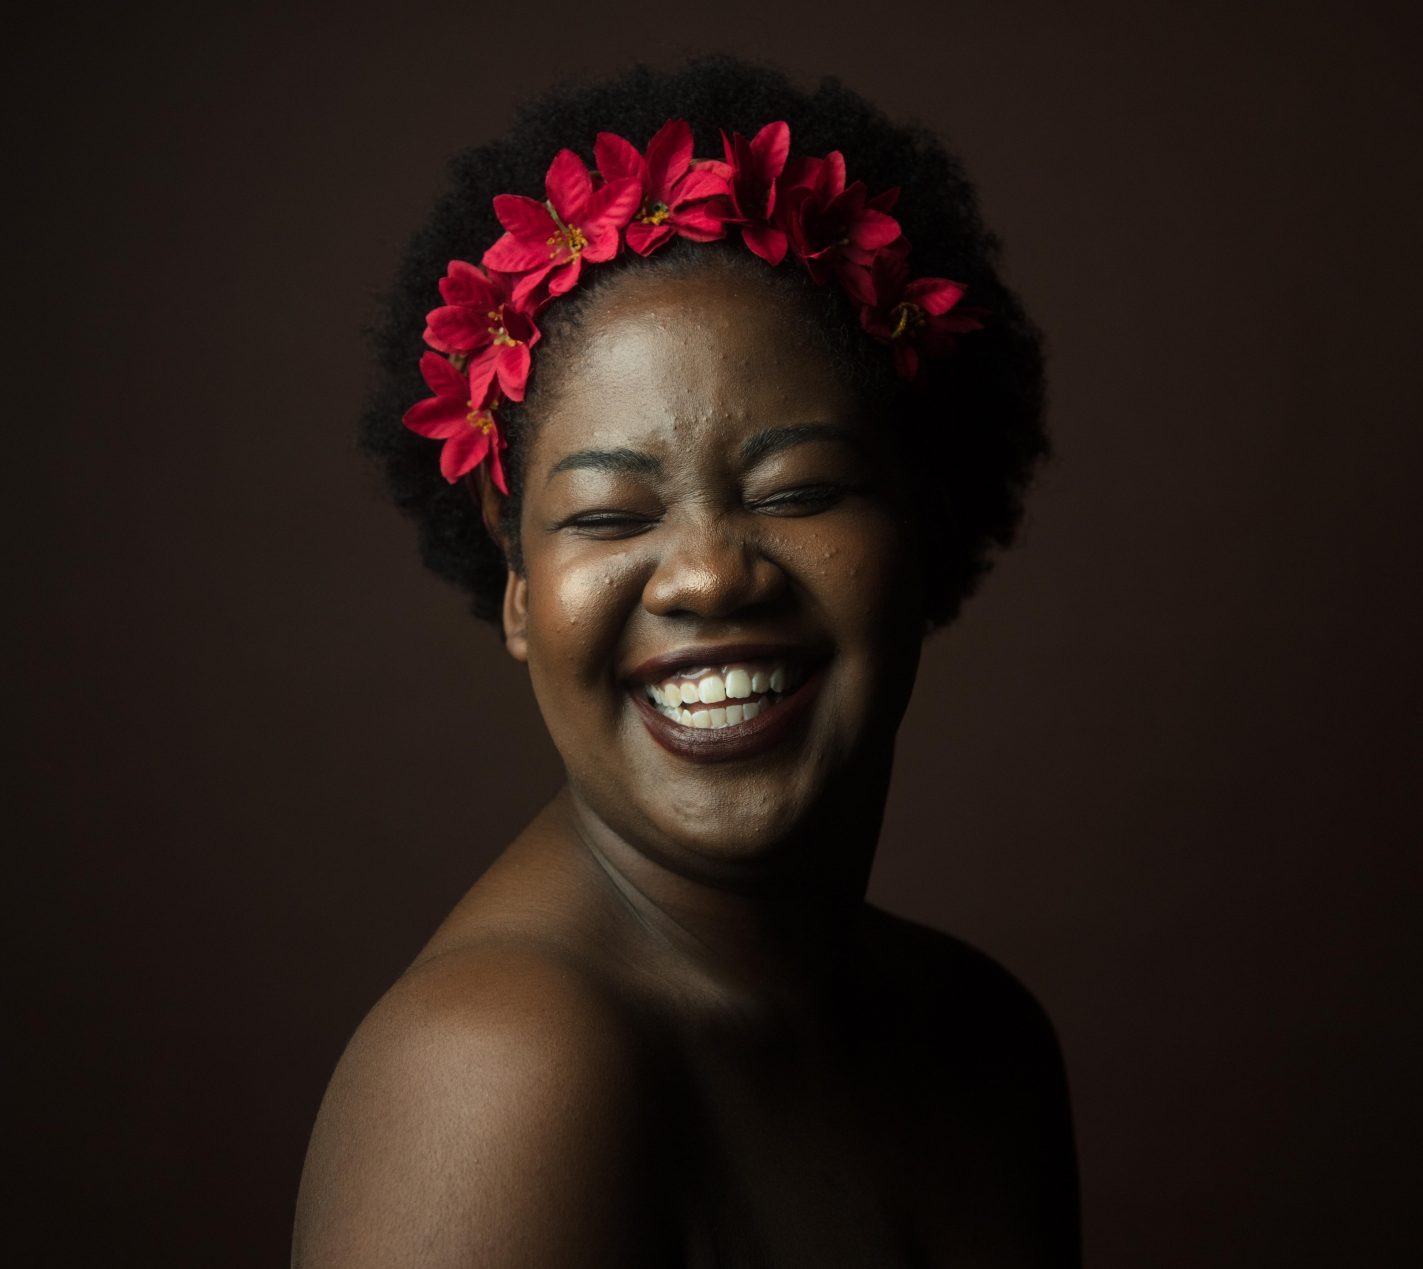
952, 984
991, 1088
493, 1108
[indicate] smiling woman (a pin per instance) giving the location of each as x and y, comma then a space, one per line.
749, 543
715, 484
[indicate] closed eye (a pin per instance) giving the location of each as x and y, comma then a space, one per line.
802, 500
607, 524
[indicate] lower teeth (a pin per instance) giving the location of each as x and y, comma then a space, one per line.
714, 719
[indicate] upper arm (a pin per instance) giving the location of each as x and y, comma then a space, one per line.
1050, 1152
1031, 1165
1002, 1120
487, 1112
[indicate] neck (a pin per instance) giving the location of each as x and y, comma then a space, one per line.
770, 934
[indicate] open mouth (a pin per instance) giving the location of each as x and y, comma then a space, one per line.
718, 704
713, 697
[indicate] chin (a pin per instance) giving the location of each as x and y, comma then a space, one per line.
740, 820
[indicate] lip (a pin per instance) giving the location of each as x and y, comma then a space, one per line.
663, 666
727, 744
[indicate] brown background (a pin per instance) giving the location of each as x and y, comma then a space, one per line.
1165, 768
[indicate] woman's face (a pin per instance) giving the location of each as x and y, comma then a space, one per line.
721, 604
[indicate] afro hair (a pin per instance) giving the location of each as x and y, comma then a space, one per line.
972, 423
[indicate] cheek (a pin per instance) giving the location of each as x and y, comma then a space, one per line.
876, 587
864, 571
578, 604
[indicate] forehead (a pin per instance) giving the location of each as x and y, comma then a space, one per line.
686, 361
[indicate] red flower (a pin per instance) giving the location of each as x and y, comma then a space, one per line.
550, 240
486, 326
835, 228
754, 166
915, 317
470, 432
480, 322
678, 196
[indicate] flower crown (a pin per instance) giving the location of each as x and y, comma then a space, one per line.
800, 207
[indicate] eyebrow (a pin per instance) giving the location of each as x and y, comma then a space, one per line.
629, 461
773, 440
754, 448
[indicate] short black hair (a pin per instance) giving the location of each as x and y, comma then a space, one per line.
973, 421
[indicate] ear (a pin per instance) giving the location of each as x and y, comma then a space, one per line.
516, 616
491, 509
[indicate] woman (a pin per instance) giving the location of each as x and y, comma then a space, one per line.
719, 447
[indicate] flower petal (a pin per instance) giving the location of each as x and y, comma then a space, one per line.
613, 205
618, 160
481, 375
934, 295
645, 239
668, 155
436, 417
565, 277
704, 223
770, 148
714, 166
501, 286
464, 284
530, 282
791, 209
513, 254
569, 187
855, 278
965, 320
496, 464
890, 271
457, 328
520, 325
699, 183
442, 378
766, 241
603, 239
513, 370
525, 218
463, 452
874, 323
871, 230
801, 171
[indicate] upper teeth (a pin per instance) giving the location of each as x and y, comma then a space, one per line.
738, 683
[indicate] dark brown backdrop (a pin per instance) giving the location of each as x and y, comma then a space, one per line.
1165, 768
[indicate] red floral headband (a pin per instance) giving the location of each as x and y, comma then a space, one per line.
782, 206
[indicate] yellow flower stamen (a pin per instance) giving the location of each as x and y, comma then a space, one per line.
498, 336
659, 213
907, 317
568, 237
479, 419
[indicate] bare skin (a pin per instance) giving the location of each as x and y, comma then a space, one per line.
665, 1028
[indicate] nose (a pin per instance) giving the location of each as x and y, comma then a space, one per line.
712, 570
